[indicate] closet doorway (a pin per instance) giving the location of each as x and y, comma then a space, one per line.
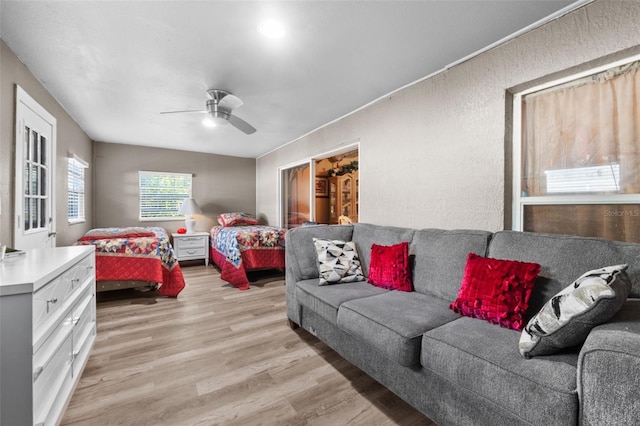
337, 188
322, 190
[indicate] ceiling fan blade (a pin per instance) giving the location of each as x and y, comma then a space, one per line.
182, 112
241, 125
231, 102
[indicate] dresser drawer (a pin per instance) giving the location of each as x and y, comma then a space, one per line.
83, 320
51, 369
190, 242
51, 298
79, 273
199, 253
48, 303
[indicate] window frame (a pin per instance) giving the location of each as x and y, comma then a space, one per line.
519, 202
76, 165
176, 216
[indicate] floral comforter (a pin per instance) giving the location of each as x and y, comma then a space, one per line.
133, 257
238, 249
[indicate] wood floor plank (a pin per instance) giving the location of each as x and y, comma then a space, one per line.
220, 356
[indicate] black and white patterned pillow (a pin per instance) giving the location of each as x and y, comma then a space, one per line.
338, 261
566, 319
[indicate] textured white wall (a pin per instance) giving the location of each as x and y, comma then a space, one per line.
433, 154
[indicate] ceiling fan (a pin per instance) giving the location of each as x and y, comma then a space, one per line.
219, 107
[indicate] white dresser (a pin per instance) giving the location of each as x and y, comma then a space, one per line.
47, 329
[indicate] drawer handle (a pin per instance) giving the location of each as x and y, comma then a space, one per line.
52, 302
75, 321
75, 280
191, 251
89, 267
37, 373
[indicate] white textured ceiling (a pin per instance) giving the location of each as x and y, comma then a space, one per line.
115, 65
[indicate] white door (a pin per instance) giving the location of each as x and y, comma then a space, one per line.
35, 222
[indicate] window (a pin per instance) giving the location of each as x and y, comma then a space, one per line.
577, 155
75, 189
162, 193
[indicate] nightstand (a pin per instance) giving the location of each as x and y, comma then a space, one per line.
191, 246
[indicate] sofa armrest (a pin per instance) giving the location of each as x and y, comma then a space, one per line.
609, 370
300, 258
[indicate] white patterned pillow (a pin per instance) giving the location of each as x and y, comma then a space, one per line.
338, 261
566, 319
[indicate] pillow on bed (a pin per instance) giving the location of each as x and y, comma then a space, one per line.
109, 233
237, 219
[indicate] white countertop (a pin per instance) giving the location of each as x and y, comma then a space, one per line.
28, 272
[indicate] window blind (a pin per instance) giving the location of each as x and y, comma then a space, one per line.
162, 193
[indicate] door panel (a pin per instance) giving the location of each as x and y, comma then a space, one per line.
296, 200
35, 174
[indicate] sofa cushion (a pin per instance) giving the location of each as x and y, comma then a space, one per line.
440, 258
563, 258
390, 267
338, 261
567, 318
365, 235
301, 260
325, 300
484, 359
393, 323
496, 290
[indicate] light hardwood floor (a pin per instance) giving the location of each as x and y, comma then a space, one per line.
220, 356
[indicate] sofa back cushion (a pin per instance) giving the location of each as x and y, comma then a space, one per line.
440, 259
301, 256
365, 235
564, 258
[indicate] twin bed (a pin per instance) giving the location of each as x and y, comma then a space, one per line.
135, 257
240, 244
143, 256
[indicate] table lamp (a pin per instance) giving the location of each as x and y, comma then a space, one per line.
188, 208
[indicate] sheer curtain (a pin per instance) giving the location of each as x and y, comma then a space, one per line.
583, 138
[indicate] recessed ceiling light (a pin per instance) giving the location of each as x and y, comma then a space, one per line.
271, 29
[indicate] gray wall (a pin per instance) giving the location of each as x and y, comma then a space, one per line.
436, 154
70, 139
220, 183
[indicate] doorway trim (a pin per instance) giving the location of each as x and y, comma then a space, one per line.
26, 105
347, 146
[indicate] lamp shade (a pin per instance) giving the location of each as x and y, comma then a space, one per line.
189, 206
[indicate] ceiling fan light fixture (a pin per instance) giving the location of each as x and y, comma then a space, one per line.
213, 121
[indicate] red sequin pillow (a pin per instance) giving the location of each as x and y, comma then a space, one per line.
496, 290
389, 267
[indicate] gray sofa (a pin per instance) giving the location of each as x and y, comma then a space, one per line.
464, 371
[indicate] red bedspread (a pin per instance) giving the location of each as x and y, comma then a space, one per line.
238, 249
149, 258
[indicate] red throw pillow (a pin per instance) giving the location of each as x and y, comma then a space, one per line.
496, 290
389, 267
